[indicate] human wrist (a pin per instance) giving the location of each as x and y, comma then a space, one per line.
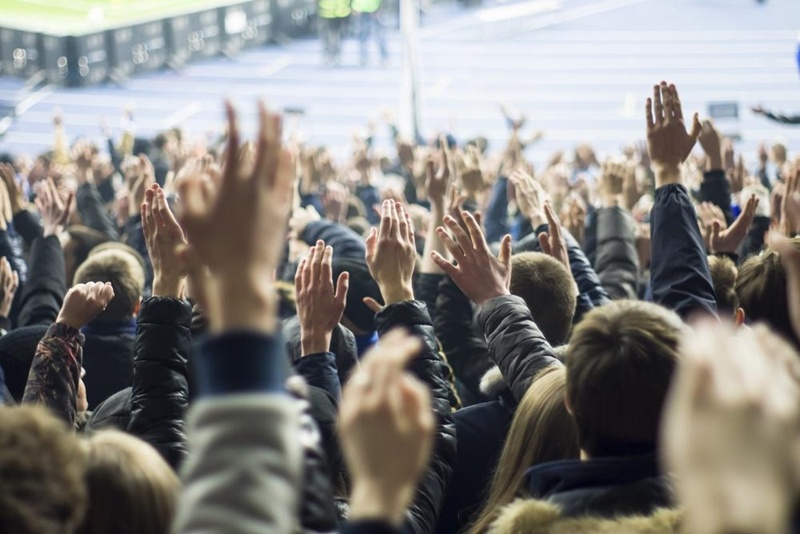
67, 320
371, 501
666, 174
714, 161
394, 293
241, 305
483, 299
167, 286
314, 342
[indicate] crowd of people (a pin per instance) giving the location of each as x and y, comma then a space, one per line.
250, 336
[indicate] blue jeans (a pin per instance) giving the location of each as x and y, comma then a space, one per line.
369, 23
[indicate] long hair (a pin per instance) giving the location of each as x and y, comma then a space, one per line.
542, 431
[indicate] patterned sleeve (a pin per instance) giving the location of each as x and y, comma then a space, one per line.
56, 371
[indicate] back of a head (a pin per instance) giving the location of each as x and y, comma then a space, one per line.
761, 292
723, 276
549, 290
131, 488
124, 271
41, 473
542, 431
620, 362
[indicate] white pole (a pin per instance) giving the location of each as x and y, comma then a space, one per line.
409, 23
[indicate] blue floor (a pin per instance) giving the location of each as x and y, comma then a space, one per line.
579, 69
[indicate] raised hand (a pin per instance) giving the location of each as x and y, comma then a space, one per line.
9, 282
84, 302
730, 239
15, 195
319, 304
530, 197
731, 428
790, 205
237, 229
385, 413
479, 274
668, 141
711, 141
438, 181
163, 236
391, 253
553, 242
54, 210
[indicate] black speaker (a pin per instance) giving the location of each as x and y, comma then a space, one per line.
21, 55
138, 48
75, 60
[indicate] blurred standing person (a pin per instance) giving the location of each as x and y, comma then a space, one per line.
369, 23
333, 16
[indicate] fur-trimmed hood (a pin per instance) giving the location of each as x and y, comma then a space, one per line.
531, 516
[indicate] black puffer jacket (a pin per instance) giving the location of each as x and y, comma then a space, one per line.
160, 392
413, 316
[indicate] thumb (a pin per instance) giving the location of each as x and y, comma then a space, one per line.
505, 250
342, 285
716, 228
696, 127
544, 243
372, 304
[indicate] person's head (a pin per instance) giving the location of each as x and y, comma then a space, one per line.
723, 276
131, 488
121, 267
761, 292
549, 290
620, 361
542, 431
42, 463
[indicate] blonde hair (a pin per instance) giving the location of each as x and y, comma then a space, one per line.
131, 488
542, 431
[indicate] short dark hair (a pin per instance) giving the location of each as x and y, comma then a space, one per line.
761, 292
620, 362
723, 276
549, 290
42, 463
125, 273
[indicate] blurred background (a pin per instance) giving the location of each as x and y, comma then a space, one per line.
578, 70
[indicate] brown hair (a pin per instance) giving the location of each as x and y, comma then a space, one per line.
548, 289
132, 490
619, 364
542, 431
126, 275
723, 276
41, 473
761, 292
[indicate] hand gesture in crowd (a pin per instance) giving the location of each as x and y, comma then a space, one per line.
237, 229
9, 282
470, 174
711, 141
729, 239
15, 196
83, 303
438, 180
335, 201
616, 182
731, 429
668, 141
530, 197
163, 236
553, 242
479, 274
54, 210
790, 205
319, 304
391, 253
385, 413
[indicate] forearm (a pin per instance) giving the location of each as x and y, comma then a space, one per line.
55, 372
432, 241
319, 370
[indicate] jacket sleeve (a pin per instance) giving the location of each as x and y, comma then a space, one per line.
462, 341
27, 226
679, 275
160, 393
319, 370
496, 218
55, 372
369, 527
754, 240
516, 344
345, 242
46, 286
716, 189
243, 419
93, 213
413, 316
616, 260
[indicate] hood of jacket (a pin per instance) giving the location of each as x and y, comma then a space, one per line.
531, 516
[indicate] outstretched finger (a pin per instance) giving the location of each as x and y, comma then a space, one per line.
659, 108
340, 296
325, 268
445, 265
461, 236
505, 251
648, 112
677, 110
232, 146
315, 260
666, 95
553, 224
455, 250
372, 304
544, 243
300, 275
67, 209
403, 226
388, 227
475, 233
